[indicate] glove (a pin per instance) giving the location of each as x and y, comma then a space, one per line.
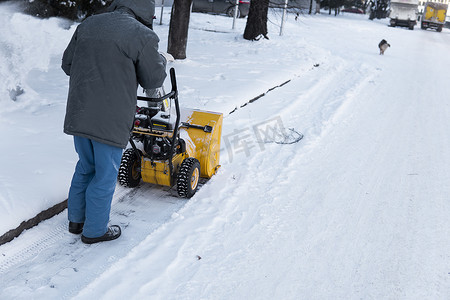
167, 56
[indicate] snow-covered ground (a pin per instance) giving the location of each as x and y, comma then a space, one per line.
357, 209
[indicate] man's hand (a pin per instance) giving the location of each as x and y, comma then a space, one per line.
167, 56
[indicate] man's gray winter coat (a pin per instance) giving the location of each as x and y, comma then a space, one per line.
108, 56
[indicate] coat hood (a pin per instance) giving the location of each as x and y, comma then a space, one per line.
144, 10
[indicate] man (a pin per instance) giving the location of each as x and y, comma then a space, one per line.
107, 57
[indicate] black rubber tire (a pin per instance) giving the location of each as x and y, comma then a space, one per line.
230, 12
129, 170
188, 177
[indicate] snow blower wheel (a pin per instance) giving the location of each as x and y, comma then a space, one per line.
188, 177
129, 170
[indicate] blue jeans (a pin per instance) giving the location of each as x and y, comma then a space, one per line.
93, 185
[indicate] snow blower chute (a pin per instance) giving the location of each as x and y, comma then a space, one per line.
171, 150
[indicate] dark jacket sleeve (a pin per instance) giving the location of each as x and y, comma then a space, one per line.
151, 66
68, 54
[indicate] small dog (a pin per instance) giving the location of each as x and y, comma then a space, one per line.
383, 45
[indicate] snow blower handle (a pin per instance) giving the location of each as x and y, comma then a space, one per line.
173, 80
157, 100
173, 93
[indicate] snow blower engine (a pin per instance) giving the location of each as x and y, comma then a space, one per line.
170, 146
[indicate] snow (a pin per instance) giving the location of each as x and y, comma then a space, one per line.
357, 209
36, 159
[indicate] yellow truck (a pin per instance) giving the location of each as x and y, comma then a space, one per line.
434, 16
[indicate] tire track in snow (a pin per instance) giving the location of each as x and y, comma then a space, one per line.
32, 249
228, 207
369, 225
41, 259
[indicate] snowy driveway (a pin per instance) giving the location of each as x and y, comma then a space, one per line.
358, 209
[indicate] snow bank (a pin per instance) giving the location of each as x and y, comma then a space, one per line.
36, 157
26, 43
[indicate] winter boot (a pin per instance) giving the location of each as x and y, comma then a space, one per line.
76, 228
112, 234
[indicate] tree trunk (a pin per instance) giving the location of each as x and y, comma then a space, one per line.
178, 28
257, 20
318, 7
337, 9
310, 6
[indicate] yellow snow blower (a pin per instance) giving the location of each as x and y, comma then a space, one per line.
171, 146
